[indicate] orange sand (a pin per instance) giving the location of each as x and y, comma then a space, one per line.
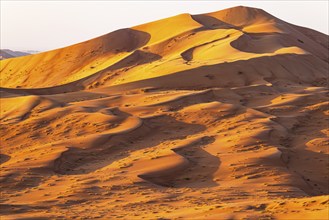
214, 116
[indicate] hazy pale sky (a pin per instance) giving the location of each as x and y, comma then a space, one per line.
50, 24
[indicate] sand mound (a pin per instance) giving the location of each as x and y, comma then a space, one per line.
241, 16
214, 116
162, 48
73, 62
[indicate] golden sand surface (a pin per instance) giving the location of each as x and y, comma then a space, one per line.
214, 116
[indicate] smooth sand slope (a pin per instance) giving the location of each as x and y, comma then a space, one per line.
214, 116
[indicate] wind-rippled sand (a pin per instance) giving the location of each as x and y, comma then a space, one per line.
214, 116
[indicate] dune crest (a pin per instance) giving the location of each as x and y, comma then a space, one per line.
221, 115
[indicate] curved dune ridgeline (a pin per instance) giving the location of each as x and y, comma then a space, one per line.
215, 116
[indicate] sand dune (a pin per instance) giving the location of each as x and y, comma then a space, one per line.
215, 116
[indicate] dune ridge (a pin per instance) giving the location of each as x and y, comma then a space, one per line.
221, 115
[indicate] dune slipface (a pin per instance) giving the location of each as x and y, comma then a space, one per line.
214, 116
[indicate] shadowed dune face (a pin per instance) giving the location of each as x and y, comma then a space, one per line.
4, 158
212, 22
242, 16
221, 116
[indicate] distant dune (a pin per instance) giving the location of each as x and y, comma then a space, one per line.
5, 54
213, 116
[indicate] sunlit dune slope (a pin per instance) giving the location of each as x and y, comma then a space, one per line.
214, 116
180, 43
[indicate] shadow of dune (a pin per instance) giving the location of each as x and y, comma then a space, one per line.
126, 39
309, 165
138, 57
196, 174
4, 158
9, 209
188, 54
270, 42
211, 22
117, 146
260, 43
17, 180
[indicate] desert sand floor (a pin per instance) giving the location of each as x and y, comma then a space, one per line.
212, 116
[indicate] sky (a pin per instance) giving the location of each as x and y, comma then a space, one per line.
50, 24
